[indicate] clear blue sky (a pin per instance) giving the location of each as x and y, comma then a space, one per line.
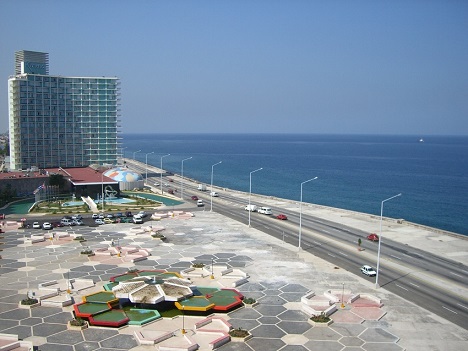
383, 67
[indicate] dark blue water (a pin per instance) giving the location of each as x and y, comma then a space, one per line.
355, 172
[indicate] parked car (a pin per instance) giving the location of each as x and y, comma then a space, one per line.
57, 224
373, 237
195, 198
67, 221
200, 203
128, 214
36, 225
142, 214
77, 216
368, 270
99, 221
125, 220
118, 215
2, 216
47, 226
101, 216
95, 216
137, 219
108, 220
78, 222
109, 215
283, 217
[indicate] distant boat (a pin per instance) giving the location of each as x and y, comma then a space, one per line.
421, 140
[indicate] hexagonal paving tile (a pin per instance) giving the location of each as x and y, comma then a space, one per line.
294, 327
380, 346
351, 341
247, 324
294, 288
246, 313
293, 315
98, 334
125, 342
294, 348
321, 333
67, 337
267, 331
269, 310
324, 345
261, 344
345, 329
378, 335
48, 329
268, 320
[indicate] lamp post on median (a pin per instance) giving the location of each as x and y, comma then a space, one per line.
380, 240
136, 153
250, 191
300, 211
146, 163
122, 152
182, 180
211, 190
162, 170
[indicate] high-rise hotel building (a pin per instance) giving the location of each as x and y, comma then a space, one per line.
57, 121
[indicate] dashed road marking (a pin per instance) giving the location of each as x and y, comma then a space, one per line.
458, 275
342, 253
398, 258
414, 285
401, 287
459, 304
448, 309
329, 254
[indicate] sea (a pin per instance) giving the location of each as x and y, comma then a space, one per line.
354, 172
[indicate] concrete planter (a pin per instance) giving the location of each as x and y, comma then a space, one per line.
251, 305
320, 324
20, 305
241, 339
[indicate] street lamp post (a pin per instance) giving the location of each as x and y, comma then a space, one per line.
146, 163
122, 151
380, 239
162, 170
211, 190
182, 180
102, 191
250, 191
300, 211
136, 153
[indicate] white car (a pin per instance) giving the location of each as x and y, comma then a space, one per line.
137, 219
77, 216
368, 270
99, 221
47, 226
265, 210
214, 194
36, 225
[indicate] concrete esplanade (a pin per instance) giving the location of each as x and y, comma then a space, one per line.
280, 278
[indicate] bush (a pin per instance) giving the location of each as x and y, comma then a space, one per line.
322, 318
29, 301
86, 252
77, 322
198, 265
239, 333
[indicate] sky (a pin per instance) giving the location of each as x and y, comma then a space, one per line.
253, 66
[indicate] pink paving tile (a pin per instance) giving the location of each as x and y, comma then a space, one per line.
369, 313
365, 302
346, 316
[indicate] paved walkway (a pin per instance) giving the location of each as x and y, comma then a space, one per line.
279, 276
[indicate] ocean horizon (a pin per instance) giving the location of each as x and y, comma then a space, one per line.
355, 172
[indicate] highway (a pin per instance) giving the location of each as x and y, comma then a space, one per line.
435, 283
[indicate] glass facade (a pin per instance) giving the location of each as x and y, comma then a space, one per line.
58, 121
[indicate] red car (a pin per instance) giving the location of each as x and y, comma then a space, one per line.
195, 198
282, 217
373, 237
